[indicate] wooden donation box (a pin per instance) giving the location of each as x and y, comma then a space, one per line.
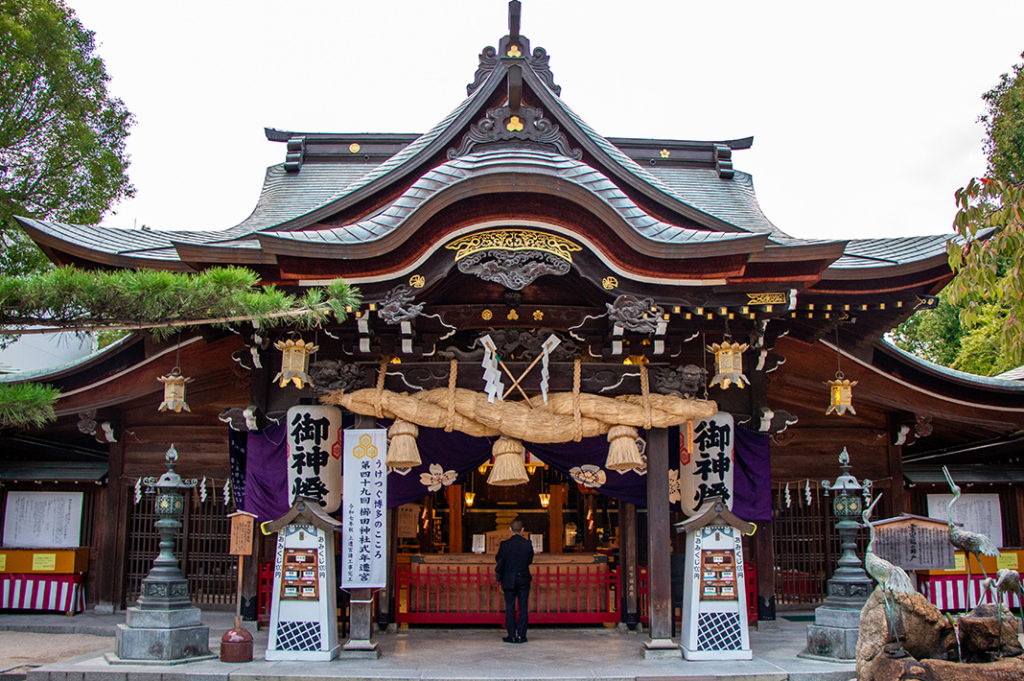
41, 565
303, 619
714, 600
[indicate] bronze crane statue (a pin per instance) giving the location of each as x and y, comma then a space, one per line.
1006, 582
892, 578
971, 543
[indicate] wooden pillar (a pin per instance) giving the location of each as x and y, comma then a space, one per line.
556, 527
629, 565
386, 598
454, 498
360, 610
895, 451
107, 565
764, 541
659, 546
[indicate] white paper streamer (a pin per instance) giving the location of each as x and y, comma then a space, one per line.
202, 490
807, 492
550, 344
138, 491
789, 501
227, 491
492, 377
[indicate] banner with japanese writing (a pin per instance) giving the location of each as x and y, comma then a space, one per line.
314, 454
707, 471
364, 537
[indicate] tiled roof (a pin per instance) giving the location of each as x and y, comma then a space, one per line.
862, 253
460, 169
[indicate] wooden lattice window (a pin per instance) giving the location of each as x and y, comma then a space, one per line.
202, 547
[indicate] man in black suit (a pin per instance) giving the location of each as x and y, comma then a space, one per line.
513, 571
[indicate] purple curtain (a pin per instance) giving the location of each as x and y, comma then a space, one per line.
237, 445
266, 487
752, 479
266, 473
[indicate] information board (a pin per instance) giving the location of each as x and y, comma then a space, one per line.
975, 512
43, 520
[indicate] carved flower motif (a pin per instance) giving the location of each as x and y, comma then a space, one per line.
589, 475
437, 477
515, 124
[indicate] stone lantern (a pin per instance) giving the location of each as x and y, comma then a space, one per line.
164, 627
837, 621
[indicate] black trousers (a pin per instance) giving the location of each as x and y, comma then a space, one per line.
520, 595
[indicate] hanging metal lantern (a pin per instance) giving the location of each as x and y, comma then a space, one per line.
174, 391
728, 364
545, 499
469, 497
295, 354
841, 395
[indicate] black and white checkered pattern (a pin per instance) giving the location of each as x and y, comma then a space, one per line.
719, 631
299, 636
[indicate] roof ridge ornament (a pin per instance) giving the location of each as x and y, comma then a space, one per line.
514, 46
528, 124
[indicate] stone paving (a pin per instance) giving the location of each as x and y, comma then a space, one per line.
441, 654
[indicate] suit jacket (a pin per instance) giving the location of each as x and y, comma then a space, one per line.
513, 561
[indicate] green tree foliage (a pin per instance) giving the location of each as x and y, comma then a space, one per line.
1004, 127
160, 302
931, 334
62, 135
989, 288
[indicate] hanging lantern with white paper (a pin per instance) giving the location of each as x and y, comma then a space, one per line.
707, 471
314, 454
728, 364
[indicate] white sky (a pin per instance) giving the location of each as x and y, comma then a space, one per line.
863, 114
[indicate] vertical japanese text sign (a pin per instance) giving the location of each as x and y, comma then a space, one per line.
314, 455
707, 471
364, 536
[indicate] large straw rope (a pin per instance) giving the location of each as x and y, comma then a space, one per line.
553, 422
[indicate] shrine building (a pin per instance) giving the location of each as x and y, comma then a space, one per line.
530, 289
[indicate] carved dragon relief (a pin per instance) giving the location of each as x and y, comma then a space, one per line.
686, 381
529, 125
639, 315
513, 270
330, 375
523, 345
397, 305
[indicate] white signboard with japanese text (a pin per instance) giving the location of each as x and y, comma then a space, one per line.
973, 512
364, 537
314, 455
707, 471
43, 519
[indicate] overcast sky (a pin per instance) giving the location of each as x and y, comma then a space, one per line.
863, 114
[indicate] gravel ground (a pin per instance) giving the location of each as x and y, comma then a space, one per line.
19, 648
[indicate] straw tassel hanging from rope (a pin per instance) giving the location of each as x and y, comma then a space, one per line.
623, 449
402, 449
508, 469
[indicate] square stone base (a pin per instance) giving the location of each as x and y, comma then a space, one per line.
153, 643
831, 642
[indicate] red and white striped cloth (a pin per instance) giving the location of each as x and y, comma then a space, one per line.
949, 592
64, 593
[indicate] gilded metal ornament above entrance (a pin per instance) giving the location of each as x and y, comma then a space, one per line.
514, 258
513, 240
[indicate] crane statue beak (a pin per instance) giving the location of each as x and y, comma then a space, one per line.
869, 509
949, 478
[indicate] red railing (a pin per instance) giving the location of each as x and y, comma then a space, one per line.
750, 585
468, 594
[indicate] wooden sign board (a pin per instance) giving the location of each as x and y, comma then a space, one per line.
914, 543
241, 533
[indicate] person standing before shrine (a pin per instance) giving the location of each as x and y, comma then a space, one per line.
513, 572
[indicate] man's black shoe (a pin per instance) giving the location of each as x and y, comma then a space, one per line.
522, 640
509, 639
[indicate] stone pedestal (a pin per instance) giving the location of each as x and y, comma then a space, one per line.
161, 637
833, 634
